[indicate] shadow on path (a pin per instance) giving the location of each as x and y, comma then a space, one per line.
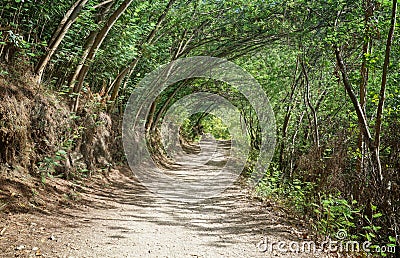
126, 220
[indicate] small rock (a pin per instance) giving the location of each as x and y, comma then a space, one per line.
35, 249
38, 253
3, 231
20, 247
52, 237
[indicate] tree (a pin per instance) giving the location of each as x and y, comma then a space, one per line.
382, 93
62, 29
95, 47
372, 143
131, 66
89, 43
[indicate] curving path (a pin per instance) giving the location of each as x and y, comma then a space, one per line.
121, 218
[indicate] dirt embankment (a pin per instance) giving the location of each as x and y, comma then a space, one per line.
41, 139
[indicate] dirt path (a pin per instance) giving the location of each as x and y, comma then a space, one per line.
121, 218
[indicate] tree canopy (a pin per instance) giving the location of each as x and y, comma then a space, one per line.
330, 68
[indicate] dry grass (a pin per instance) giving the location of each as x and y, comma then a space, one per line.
35, 124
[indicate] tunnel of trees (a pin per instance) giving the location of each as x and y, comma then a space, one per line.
331, 70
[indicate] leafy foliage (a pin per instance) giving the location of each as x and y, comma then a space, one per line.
323, 166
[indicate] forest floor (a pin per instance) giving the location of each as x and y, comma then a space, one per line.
115, 216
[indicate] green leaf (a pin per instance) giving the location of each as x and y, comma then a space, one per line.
377, 215
61, 152
376, 228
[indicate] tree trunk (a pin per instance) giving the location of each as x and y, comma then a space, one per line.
89, 43
152, 124
362, 121
95, 47
378, 124
128, 69
86, 47
118, 81
62, 29
313, 111
368, 6
288, 114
